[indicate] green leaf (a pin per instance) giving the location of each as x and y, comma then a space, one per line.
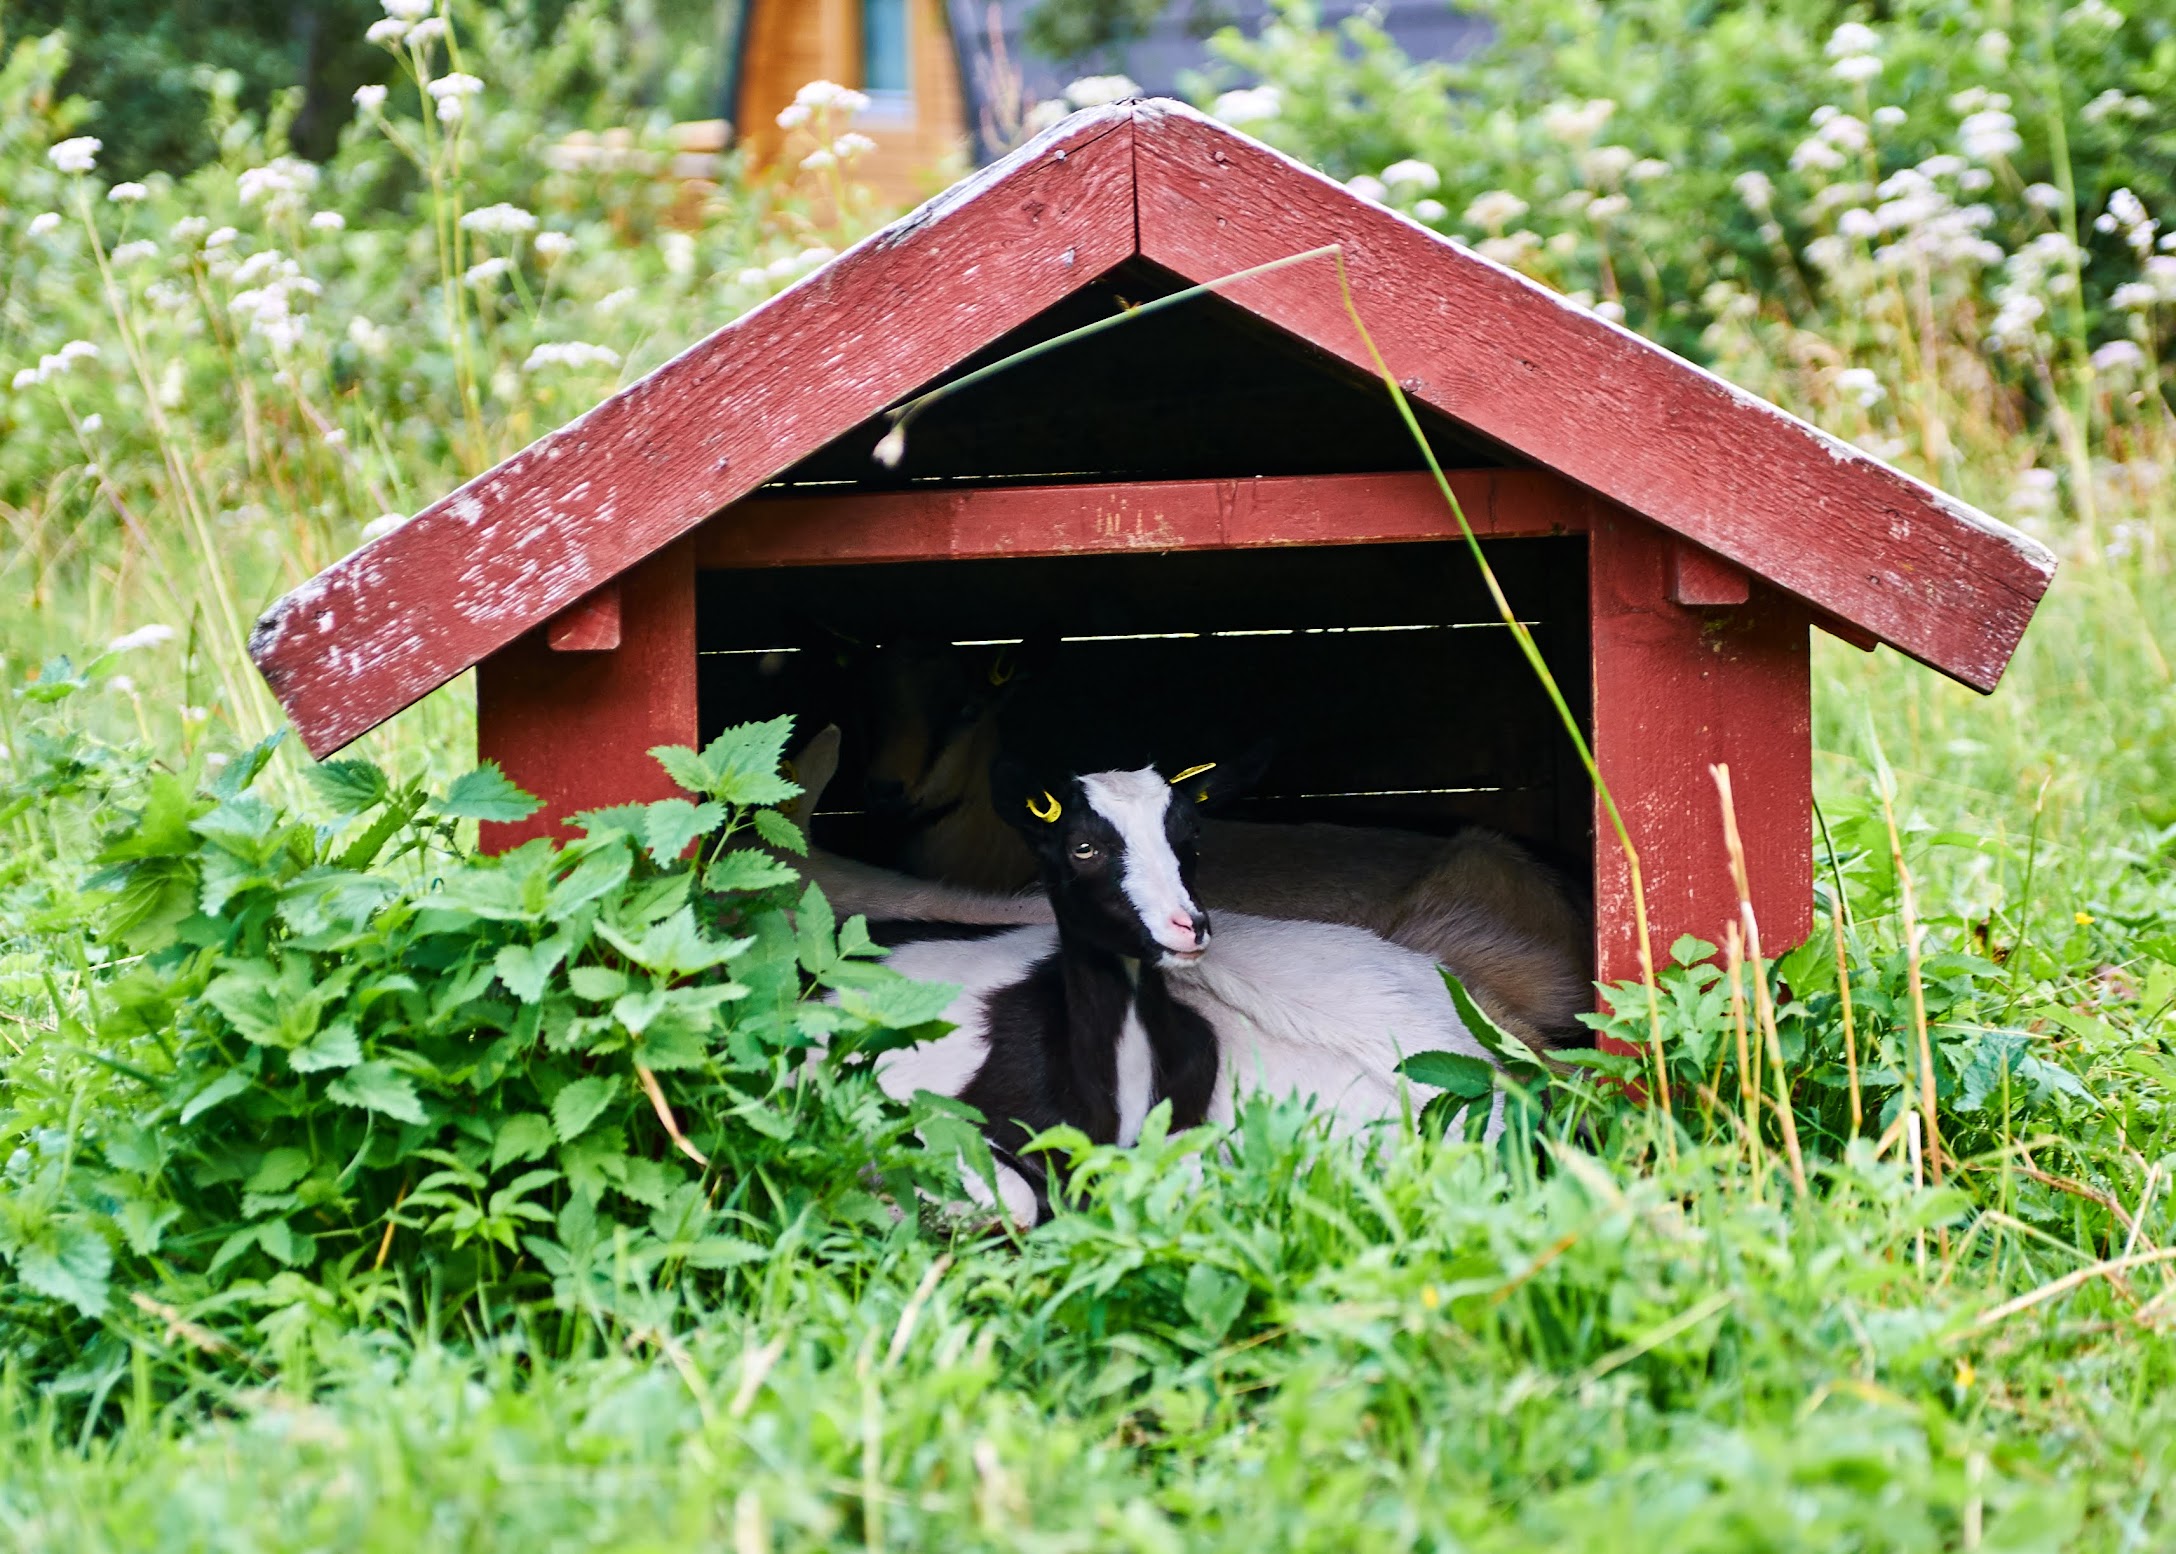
232, 1083
69, 1261
525, 969
597, 983
1214, 1299
523, 1136
675, 947
1466, 1077
347, 787
279, 1170
1515, 1055
742, 764
380, 1087
239, 773
684, 767
335, 1046
486, 794
580, 1104
670, 824
780, 832
743, 869
1690, 951
898, 1002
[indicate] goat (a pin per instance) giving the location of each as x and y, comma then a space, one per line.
1508, 926
1119, 1003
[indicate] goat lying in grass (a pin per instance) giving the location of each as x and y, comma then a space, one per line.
1507, 925
1122, 1002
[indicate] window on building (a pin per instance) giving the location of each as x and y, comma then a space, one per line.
886, 53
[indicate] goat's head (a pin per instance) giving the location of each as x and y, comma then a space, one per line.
1116, 850
930, 711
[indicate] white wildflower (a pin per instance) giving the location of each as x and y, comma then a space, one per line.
1889, 116
486, 272
784, 268
2117, 357
220, 237
1514, 249
1816, 155
852, 144
570, 353
2114, 103
1858, 222
1100, 91
367, 337
1249, 105
1647, 169
1611, 309
1853, 38
383, 524
793, 116
1860, 384
426, 32
370, 99
1994, 46
1756, 190
1608, 207
1430, 211
1576, 123
142, 637
25, 377
77, 155
2094, 14
136, 252
328, 221
386, 32
93, 424
551, 247
1989, 135
127, 193
2035, 491
408, 10
45, 222
122, 684
1412, 175
678, 251
500, 220
455, 83
278, 185
809, 258
258, 265
1495, 210
613, 301
2043, 196
1368, 187
2133, 297
827, 97
1607, 165
1974, 98
819, 160
752, 275
2121, 541
1050, 111
1845, 132
1856, 68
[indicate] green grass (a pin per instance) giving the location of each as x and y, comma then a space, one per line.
1618, 1339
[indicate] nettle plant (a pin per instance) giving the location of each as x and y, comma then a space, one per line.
350, 1061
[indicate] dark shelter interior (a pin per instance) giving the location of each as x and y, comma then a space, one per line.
1386, 685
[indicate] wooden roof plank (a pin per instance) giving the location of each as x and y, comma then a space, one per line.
1610, 410
522, 542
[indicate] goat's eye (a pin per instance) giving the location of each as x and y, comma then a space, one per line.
1084, 851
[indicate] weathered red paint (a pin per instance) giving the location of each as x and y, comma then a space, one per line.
1675, 691
520, 543
1598, 404
593, 626
1152, 515
1699, 580
576, 729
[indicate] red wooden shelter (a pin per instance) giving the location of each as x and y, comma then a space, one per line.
1218, 501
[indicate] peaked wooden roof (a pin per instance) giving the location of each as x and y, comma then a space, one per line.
1550, 382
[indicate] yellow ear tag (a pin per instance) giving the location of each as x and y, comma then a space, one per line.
1046, 816
1001, 667
1193, 771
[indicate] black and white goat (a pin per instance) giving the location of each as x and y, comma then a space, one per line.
1510, 927
1123, 1000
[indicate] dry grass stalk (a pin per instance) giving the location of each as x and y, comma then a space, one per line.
1851, 1039
1763, 1005
2107, 1268
656, 1093
1748, 1096
1908, 908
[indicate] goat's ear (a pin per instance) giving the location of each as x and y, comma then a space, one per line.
1012, 663
1022, 800
1216, 782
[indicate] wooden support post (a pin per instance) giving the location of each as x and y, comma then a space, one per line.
1675, 691
593, 626
576, 728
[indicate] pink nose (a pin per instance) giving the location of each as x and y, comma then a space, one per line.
1187, 926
